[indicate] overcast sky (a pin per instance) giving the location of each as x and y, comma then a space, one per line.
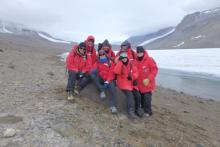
112, 19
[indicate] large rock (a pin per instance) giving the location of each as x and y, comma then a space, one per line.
9, 132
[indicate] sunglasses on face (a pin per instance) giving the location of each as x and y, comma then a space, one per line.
140, 52
82, 48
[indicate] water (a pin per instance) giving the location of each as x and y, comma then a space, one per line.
202, 85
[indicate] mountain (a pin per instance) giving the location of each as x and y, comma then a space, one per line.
21, 30
197, 30
144, 39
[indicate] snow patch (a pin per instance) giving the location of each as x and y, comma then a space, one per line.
197, 37
211, 11
4, 30
63, 56
156, 38
180, 44
204, 61
52, 39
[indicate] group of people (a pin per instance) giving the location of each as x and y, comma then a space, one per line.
132, 72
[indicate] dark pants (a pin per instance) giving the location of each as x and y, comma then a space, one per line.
146, 99
75, 80
112, 91
129, 97
137, 99
96, 79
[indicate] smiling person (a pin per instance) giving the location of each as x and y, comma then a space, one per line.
106, 77
106, 46
127, 75
91, 51
126, 47
147, 69
78, 64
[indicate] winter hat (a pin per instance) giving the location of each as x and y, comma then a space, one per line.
140, 49
126, 43
106, 43
82, 45
123, 55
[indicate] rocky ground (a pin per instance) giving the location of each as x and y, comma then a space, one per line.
35, 113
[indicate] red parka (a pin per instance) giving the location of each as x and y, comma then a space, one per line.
106, 70
147, 68
123, 71
76, 62
111, 54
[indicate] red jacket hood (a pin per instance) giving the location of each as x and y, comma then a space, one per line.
90, 37
73, 50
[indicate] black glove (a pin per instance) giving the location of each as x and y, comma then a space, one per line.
129, 78
135, 83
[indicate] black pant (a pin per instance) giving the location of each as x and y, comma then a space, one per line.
137, 99
74, 79
112, 91
146, 99
129, 96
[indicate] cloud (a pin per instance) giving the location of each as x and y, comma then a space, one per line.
112, 19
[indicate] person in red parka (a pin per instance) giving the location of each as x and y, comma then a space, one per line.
126, 47
90, 48
91, 51
106, 77
106, 46
147, 69
78, 65
127, 74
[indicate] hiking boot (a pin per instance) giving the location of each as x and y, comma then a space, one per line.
70, 96
113, 110
148, 114
139, 112
132, 116
102, 95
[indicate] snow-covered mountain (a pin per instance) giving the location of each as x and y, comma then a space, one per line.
19, 29
150, 37
197, 30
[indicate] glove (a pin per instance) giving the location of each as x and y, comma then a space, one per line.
81, 74
146, 81
106, 83
135, 83
129, 78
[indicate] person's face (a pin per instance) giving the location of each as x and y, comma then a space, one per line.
124, 60
82, 50
140, 54
91, 42
102, 56
124, 48
106, 48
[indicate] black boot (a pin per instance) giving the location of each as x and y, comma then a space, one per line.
139, 112
132, 116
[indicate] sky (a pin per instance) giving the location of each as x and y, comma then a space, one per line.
115, 20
